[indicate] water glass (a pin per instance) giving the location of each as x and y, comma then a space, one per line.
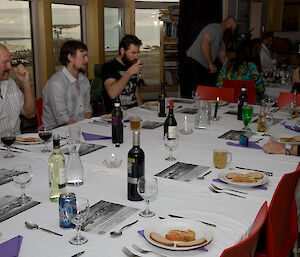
147, 188
247, 113
171, 143
8, 137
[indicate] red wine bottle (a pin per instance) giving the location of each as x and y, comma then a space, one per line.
170, 125
136, 167
117, 125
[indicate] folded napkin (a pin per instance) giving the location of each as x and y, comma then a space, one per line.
294, 128
251, 144
88, 136
202, 248
258, 187
11, 248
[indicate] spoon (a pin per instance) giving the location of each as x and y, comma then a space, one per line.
119, 232
202, 177
31, 225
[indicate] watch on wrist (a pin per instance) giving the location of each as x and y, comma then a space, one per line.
287, 152
288, 148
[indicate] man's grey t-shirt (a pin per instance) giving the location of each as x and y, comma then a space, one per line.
215, 32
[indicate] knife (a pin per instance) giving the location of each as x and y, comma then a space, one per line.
14, 147
78, 254
206, 223
263, 171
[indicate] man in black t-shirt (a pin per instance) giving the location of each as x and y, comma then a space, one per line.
120, 75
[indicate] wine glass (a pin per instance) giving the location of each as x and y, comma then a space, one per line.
147, 188
247, 113
21, 176
8, 137
171, 143
45, 134
77, 218
196, 97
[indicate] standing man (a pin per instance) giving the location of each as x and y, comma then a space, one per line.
120, 75
199, 66
12, 101
66, 96
265, 54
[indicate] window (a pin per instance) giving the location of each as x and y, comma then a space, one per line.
15, 34
111, 32
66, 20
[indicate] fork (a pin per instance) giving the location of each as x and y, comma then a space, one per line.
218, 188
129, 253
139, 249
216, 191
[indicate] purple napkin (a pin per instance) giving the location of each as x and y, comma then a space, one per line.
88, 136
258, 187
294, 128
251, 144
202, 248
11, 248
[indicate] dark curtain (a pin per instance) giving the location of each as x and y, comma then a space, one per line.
193, 16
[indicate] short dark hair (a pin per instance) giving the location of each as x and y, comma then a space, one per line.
127, 40
266, 35
70, 47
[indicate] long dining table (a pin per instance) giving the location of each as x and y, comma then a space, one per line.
233, 216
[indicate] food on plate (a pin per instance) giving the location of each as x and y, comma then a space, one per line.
250, 177
154, 104
244, 178
231, 175
160, 239
107, 116
196, 242
27, 139
289, 139
255, 175
180, 235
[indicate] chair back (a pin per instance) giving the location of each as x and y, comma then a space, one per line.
246, 248
39, 110
286, 98
237, 85
97, 88
210, 93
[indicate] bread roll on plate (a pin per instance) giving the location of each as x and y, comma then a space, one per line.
160, 239
196, 242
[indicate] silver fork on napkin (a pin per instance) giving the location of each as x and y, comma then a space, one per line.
139, 249
129, 253
221, 191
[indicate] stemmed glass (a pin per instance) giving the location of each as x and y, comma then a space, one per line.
77, 218
147, 188
247, 113
196, 97
269, 115
8, 137
21, 176
171, 143
45, 134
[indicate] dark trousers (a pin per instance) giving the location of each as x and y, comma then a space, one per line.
195, 74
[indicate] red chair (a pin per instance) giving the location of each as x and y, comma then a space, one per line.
246, 248
286, 98
237, 85
210, 93
282, 221
39, 110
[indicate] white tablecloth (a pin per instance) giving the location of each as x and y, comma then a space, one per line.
233, 216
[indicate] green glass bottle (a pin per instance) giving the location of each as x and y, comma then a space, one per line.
57, 173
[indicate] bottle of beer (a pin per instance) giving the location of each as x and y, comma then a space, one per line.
294, 107
162, 99
136, 167
261, 122
170, 125
117, 125
243, 98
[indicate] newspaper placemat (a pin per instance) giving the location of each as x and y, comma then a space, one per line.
182, 171
189, 110
104, 216
151, 124
85, 148
235, 134
5, 176
11, 206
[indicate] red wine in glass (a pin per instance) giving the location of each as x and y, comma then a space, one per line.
8, 140
45, 135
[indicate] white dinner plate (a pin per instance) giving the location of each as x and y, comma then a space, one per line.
163, 226
28, 135
276, 138
152, 105
222, 176
106, 117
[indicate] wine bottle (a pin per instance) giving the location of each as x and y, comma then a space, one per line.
261, 121
117, 125
243, 98
170, 125
162, 101
136, 167
57, 174
294, 105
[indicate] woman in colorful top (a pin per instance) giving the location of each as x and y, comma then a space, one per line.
242, 68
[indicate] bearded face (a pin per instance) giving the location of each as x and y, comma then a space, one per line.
127, 60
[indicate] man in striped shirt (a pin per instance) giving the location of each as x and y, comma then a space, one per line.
12, 101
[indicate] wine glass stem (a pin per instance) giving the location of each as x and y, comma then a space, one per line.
171, 154
23, 191
8, 151
147, 206
78, 233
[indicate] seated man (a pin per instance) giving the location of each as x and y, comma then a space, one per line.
120, 75
66, 96
265, 55
12, 101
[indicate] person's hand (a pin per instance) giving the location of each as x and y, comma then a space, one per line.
212, 68
273, 147
22, 74
136, 68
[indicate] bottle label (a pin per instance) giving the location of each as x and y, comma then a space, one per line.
172, 131
130, 164
131, 180
62, 176
116, 121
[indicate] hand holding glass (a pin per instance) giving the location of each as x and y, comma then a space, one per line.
45, 134
171, 143
147, 188
8, 137
247, 116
